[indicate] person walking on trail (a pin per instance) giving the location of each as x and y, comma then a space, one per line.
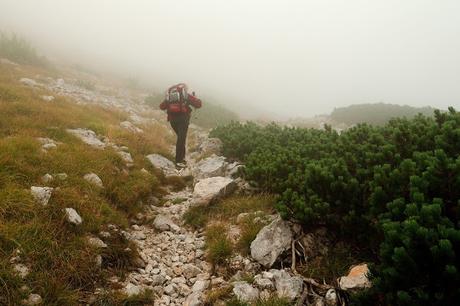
177, 104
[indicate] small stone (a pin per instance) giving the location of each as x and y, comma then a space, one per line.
169, 289
61, 176
28, 82
33, 299
356, 278
98, 260
47, 98
21, 270
47, 178
157, 280
164, 223
41, 194
331, 297
72, 216
132, 289
93, 179
200, 285
193, 300
245, 292
190, 271
96, 242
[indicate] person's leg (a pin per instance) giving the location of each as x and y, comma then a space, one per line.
181, 139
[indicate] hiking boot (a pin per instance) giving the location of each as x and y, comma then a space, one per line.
181, 165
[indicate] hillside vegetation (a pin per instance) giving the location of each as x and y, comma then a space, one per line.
377, 113
62, 263
392, 191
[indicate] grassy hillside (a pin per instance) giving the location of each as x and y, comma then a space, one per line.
61, 262
376, 114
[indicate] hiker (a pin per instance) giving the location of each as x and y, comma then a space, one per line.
177, 104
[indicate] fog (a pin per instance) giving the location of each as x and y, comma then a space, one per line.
288, 58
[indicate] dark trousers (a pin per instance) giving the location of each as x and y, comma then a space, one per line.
180, 124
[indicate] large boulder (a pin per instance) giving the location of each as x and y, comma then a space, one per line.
271, 241
41, 194
356, 278
245, 292
209, 189
165, 165
210, 167
87, 136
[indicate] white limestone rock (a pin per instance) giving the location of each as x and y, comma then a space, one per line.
72, 216
210, 189
271, 241
210, 167
87, 136
164, 223
96, 242
33, 299
94, 179
245, 292
47, 178
41, 194
28, 82
130, 127
47, 98
165, 165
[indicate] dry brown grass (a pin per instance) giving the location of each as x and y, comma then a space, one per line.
62, 264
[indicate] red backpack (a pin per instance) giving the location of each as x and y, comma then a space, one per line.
176, 97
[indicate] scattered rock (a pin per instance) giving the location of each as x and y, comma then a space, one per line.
130, 127
211, 145
245, 292
87, 136
165, 165
47, 98
131, 289
33, 299
21, 270
6, 61
72, 216
271, 241
193, 299
47, 143
126, 156
200, 285
61, 176
28, 82
41, 194
210, 167
288, 286
94, 179
190, 271
263, 283
356, 278
331, 297
47, 178
210, 189
96, 242
164, 223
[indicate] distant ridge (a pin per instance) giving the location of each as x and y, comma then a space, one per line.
376, 113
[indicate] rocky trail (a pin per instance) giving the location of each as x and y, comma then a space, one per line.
172, 261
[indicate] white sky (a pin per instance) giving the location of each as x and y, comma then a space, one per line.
294, 58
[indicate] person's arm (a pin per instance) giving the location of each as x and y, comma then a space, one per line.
194, 101
164, 105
